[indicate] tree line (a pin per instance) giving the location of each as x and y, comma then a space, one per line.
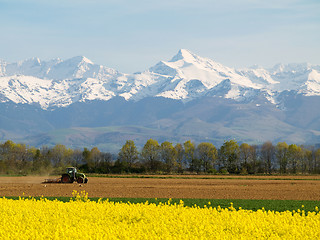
166, 158
22, 160
229, 158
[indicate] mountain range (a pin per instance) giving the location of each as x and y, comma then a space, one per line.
81, 104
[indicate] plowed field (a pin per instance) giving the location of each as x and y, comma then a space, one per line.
307, 188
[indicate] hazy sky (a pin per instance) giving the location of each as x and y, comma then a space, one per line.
133, 35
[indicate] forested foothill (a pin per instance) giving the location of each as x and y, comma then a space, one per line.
164, 158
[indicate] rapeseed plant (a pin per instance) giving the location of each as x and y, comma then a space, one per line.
80, 218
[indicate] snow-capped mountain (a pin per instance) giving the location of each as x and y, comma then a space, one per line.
59, 83
296, 77
190, 76
186, 98
56, 82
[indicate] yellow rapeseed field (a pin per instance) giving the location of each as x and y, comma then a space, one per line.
81, 218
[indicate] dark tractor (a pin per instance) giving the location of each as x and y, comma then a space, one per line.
73, 176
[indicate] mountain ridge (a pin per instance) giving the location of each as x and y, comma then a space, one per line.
185, 77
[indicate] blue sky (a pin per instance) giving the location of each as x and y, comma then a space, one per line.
133, 35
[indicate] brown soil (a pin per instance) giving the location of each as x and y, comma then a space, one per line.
214, 188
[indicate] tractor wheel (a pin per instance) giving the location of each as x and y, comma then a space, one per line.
86, 180
65, 178
80, 180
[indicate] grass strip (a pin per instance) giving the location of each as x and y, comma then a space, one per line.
249, 204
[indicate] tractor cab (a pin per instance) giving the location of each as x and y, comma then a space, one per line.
71, 171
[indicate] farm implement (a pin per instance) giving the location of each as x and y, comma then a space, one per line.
71, 175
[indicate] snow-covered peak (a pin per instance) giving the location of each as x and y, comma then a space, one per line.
187, 76
84, 59
312, 85
188, 66
258, 75
79, 60
78, 67
292, 67
185, 55
35, 61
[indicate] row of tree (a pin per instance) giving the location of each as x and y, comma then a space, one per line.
164, 158
20, 159
229, 158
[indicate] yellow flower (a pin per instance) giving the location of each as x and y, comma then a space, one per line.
84, 219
